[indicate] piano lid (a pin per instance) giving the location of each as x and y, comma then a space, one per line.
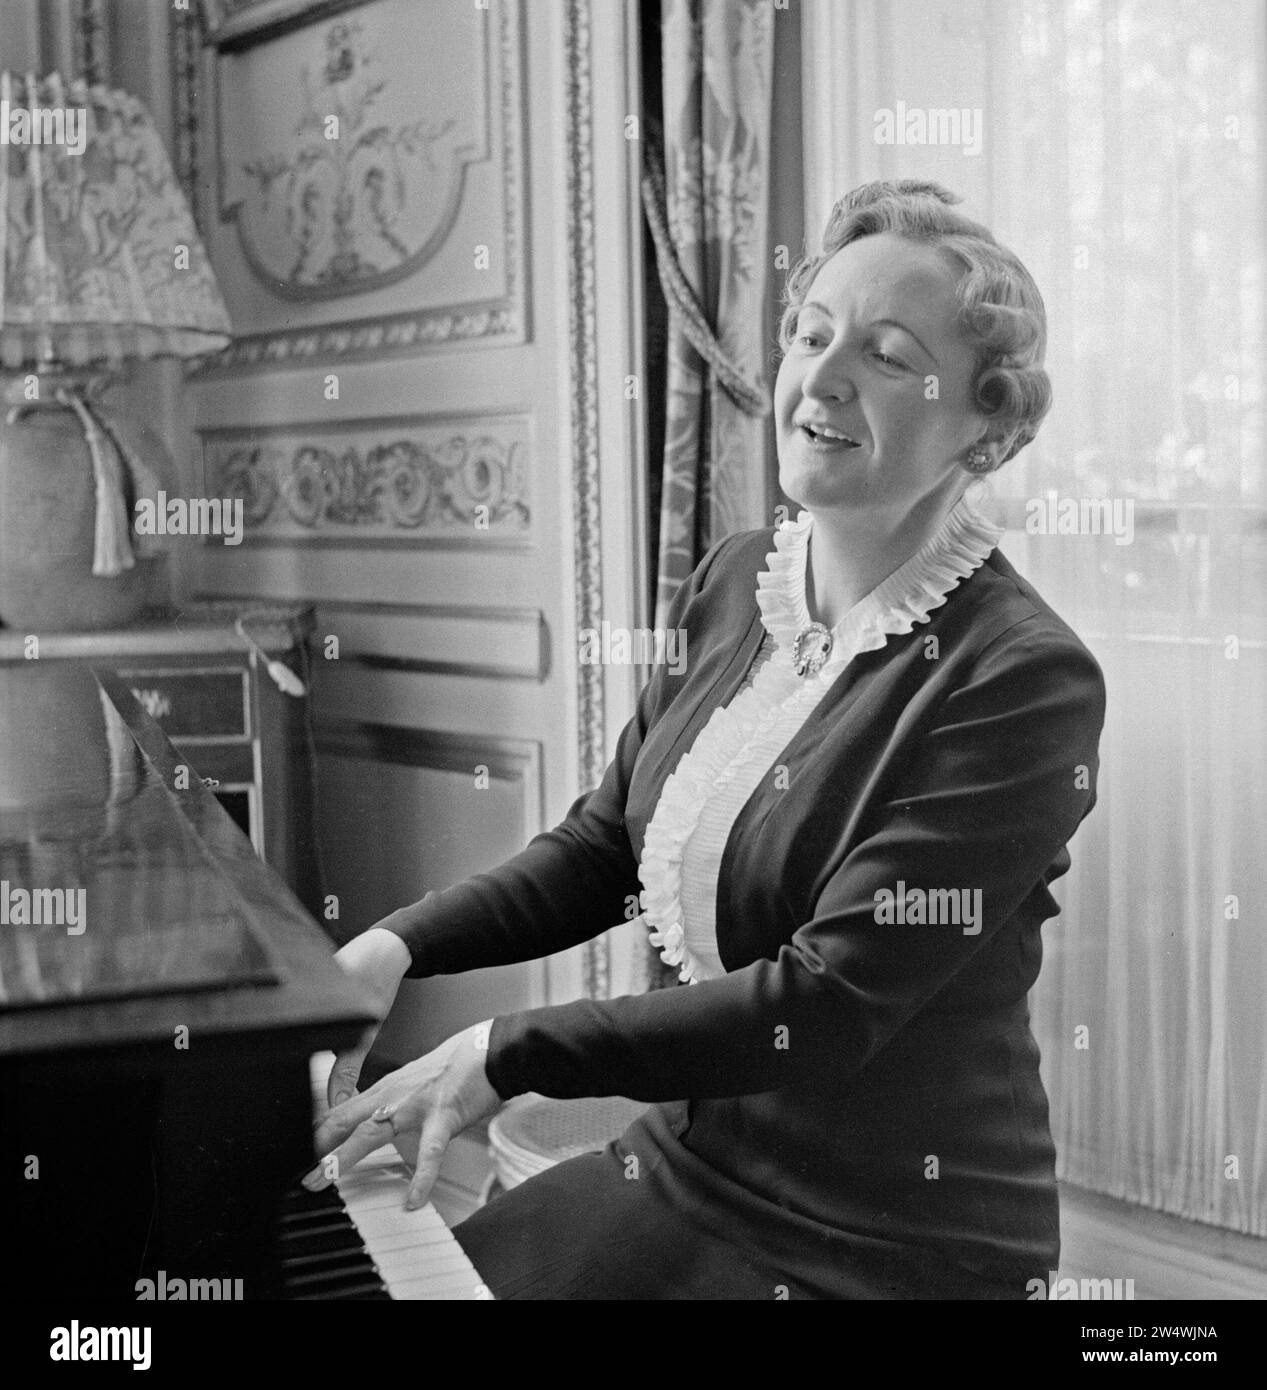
112, 882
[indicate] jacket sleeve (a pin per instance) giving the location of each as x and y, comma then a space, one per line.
570, 883
992, 794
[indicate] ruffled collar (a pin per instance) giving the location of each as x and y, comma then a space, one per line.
957, 548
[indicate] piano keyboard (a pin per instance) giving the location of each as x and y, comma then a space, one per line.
355, 1240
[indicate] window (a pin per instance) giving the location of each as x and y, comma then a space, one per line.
1121, 157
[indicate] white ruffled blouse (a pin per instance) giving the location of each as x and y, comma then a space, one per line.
702, 798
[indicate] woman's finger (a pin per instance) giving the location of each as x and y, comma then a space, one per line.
350, 1118
345, 1073
437, 1130
368, 1136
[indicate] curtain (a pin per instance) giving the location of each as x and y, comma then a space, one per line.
717, 58
1144, 219
71, 37
1122, 159
705, 194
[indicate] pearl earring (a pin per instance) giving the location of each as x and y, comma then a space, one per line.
979, 460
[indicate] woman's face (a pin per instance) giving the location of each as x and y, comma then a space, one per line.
876, 356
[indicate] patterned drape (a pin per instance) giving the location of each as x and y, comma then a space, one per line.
72, 37
717, 78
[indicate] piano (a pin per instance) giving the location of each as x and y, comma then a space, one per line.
162, 994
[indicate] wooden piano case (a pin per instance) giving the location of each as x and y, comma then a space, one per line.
161, 993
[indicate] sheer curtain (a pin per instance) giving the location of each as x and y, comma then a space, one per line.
1123, 160
1147, 119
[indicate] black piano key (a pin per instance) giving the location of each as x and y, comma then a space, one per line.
299, 1200
312, 1266
310, 1244
335, 1271
350, 1283
313, 1223
321, 1252
365, 1293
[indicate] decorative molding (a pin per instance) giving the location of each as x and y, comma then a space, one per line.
186, 60
89, 41
462, 481
513, 760
498, 321
582, 335
488, 643
234, 25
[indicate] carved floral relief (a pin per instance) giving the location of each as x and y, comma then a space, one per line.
378, 483
352, 195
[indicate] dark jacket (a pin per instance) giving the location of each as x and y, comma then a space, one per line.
869, 1077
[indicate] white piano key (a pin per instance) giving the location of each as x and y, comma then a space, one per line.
401, 1241
452, 1289
400, 1265
387, 1221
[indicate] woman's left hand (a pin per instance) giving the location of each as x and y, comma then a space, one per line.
433, 1098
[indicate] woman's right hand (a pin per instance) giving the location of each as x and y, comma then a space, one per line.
377, 959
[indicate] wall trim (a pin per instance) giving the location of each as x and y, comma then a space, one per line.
513, 760
186, 60
586, 502
523, 653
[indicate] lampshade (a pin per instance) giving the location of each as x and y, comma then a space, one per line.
101, 258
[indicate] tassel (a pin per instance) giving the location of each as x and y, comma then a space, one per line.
112, 549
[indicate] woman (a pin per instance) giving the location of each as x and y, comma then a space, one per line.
842, 820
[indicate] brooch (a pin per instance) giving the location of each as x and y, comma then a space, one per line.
810, 649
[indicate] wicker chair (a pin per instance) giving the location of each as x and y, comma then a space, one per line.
533, 1133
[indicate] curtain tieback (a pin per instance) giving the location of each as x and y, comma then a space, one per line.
683, 303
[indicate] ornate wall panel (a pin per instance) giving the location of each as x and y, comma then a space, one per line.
460, 482
361, 160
